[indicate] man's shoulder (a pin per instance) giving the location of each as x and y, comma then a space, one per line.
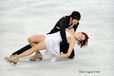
66, 17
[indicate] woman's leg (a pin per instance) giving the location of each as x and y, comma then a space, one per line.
39, 46
32, 41
36, 47
35, 39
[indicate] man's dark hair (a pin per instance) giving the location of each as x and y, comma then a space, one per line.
75, 15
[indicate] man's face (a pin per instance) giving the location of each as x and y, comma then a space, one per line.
74, 21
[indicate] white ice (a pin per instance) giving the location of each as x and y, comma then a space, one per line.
20, 19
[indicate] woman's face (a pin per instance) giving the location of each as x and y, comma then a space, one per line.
80, 36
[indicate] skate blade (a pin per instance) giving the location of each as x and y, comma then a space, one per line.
11, 63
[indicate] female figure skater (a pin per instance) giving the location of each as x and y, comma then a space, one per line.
51, 43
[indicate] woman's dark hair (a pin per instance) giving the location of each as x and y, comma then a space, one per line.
84, 42
75, 15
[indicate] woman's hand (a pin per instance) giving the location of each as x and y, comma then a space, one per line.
62, 55
57, 55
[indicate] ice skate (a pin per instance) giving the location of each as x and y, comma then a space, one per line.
13, 59
35, 57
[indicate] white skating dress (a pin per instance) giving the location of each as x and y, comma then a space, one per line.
52, 42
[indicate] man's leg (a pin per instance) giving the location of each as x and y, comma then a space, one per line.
64, 49
23, 49
72, 54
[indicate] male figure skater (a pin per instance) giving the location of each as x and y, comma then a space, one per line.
71, 21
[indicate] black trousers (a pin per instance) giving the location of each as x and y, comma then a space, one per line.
23, 49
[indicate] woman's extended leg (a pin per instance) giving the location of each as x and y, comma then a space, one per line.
33, 40
39, 46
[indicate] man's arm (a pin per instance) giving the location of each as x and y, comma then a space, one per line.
75, 27
62, 29
60, 26
56, 27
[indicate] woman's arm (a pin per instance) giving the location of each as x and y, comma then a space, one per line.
71, 42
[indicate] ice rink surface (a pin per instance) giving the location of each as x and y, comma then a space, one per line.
20, 19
